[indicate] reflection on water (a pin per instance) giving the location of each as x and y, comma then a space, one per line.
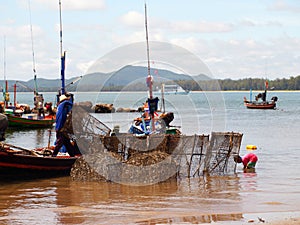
249, 182
205, 218
30, 138
273, 188
62, 201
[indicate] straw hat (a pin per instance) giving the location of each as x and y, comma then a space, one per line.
62, 98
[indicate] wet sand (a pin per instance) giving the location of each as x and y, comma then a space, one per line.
291, 221
275, 218
287, 221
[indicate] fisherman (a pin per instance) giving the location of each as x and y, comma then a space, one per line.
249, 160
49, 110
41, 111
64, 108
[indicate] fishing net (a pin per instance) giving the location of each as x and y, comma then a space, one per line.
148, 159
81, 123
222, 148
136, 160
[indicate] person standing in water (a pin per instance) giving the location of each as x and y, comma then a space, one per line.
64, 108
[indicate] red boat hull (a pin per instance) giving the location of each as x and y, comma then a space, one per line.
28, 166
263, 105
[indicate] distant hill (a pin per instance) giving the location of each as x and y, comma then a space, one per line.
132, 77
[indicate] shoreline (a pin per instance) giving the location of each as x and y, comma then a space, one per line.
273, 218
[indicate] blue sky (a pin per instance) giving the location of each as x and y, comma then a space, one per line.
235, 39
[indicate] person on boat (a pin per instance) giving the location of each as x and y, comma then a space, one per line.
249, 160
49, 109
41, 111
64, 108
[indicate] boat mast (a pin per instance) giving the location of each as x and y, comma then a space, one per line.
149, 79
5, 90
32, 48
148, 55
62, 54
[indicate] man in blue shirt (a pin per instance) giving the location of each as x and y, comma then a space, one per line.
64, 107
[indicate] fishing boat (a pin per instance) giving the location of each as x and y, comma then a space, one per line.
16, 161
20, 116
260, 100
260, 105
18, 119
30, 121
151, 121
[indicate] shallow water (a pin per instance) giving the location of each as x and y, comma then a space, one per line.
275, 187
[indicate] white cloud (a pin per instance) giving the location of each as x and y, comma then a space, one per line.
281, 5
133, 18
73, 4
137, 20
253, 23
201, 26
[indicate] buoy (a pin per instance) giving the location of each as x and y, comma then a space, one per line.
251, 147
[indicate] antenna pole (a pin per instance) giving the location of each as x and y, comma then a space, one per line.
62, 54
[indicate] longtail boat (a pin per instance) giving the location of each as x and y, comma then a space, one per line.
263, 104
16, 161
30, 121
260, 105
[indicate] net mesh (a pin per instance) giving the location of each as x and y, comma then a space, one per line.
147, 159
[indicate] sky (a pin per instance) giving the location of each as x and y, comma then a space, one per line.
234, 38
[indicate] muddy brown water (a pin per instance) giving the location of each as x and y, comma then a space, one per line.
274, 188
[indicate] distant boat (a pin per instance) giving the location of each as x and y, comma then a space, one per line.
173, 89
263, 103
260, 105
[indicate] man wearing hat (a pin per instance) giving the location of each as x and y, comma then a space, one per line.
64, 107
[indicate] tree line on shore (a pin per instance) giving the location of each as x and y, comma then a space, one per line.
292, 83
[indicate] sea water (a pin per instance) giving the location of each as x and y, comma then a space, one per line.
274, 188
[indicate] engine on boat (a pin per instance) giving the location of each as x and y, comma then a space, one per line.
274, 99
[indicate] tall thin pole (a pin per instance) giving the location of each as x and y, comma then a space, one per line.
32, 48
15, 95
62, 54
149, 78
5, 91
4, 61
148, 54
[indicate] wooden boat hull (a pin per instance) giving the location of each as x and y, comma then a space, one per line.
266, 105
31, 162
29, 166
15, 121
